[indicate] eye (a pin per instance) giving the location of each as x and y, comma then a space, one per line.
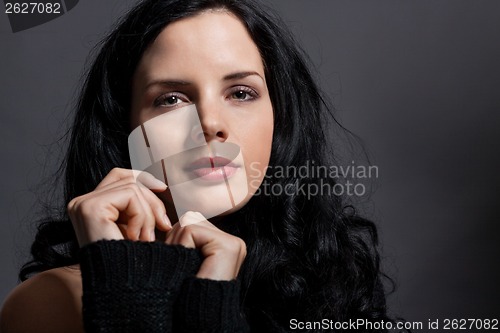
240, 94
243, 94
170, 100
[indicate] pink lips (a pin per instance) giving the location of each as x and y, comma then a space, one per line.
213, 168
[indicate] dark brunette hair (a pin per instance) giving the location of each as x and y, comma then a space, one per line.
308, 257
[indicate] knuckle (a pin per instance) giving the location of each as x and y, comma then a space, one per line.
75, 205
243, 253
86, 207
238, 242
236, 245
243, 245
71, 205
243, 248
121, 172
133, 188
115, 170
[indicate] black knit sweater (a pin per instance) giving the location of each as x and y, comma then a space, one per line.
151, 287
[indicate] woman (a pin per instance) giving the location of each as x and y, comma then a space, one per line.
270, 262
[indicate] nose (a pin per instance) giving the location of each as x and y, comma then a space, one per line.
212, 122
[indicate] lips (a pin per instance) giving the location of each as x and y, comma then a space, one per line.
216, 168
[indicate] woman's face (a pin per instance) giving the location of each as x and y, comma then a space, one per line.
211, 62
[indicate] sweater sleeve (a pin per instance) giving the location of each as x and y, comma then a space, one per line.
132, 286
209, 306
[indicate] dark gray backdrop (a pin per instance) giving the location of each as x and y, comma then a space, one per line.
419, 81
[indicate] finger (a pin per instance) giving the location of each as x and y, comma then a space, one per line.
139, 218
155, 204
125, 181
158, 209
188, 218
115, 175
179, 236
95, 217
147, 231
182, 237
187, 230
223, 253
147, 183
191, 217
143, 177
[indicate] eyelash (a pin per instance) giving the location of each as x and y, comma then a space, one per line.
253, 94
162, 100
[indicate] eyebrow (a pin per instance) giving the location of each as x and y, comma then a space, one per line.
170, 83
176, 83
240, 75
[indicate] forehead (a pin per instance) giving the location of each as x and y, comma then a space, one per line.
212, 41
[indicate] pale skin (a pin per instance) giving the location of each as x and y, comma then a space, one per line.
209, 60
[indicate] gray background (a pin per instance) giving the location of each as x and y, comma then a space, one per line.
419, 81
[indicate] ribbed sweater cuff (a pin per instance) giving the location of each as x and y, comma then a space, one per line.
132, 286
209, 306
128, 264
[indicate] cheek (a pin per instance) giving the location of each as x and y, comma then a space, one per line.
256, 132
256, 147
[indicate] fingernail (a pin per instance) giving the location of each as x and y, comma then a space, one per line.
158, 183
166, 220
191, 218
153, 236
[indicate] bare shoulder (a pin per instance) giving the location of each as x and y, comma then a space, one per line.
47, 302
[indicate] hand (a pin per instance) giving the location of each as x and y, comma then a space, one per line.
121, 206
223, 252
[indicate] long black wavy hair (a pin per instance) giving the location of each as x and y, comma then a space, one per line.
309, 257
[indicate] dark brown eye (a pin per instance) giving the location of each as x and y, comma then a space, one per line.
243, 94
171, 100
240, 94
